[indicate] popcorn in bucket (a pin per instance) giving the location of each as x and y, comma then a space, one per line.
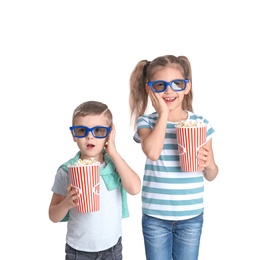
84, 175
191, 135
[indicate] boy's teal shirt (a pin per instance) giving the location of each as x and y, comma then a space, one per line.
111, 179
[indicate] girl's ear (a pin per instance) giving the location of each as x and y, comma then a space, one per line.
147, 88
187, 89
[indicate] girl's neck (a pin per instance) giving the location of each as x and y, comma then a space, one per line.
177, 116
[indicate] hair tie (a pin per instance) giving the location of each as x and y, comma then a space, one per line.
145, 68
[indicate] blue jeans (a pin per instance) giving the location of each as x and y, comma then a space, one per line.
113, 253
167, 240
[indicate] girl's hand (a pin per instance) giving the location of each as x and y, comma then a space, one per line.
158, 103
205, 158
206, 161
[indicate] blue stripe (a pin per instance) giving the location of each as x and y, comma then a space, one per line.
171, 126
173, 180
170, 157
172, 191
210, 131
172, 213
142, 126
194, 117
172, 202
170, 135
157, 168
170, 147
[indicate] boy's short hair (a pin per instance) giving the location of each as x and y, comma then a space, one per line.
93, 108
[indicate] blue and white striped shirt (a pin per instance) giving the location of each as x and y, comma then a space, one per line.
167, 192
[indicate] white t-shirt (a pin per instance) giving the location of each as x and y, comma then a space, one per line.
94, 231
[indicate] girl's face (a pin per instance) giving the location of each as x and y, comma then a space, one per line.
172, 98
90, 146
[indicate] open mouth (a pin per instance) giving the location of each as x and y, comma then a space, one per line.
169, 99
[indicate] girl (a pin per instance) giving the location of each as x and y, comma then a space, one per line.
172, 200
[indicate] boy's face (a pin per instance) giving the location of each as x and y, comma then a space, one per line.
90, 146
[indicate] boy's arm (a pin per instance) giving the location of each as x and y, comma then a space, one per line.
60, 205
129, 178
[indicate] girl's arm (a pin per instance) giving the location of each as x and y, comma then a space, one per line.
152, 141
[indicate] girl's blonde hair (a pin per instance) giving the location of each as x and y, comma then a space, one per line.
143, 72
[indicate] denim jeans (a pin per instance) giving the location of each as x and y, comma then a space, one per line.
167, 240
113, 253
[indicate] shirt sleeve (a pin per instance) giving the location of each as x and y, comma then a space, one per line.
61, 182
142, 122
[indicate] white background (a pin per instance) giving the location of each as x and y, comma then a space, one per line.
55, 55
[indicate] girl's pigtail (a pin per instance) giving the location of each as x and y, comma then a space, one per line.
187, 101
138, 98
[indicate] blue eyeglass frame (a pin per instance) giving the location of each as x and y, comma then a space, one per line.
90, 130
166, 84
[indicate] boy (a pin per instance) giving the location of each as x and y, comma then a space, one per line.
94, 235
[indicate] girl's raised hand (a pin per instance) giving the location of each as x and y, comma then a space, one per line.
158, 103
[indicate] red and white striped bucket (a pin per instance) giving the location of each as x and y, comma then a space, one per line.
87, 179
189, 140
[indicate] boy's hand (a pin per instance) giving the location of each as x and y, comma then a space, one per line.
110, 145
71, 199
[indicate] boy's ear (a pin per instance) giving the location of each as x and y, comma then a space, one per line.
74, 138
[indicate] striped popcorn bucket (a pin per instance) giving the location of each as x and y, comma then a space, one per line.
189, 140
87, 179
